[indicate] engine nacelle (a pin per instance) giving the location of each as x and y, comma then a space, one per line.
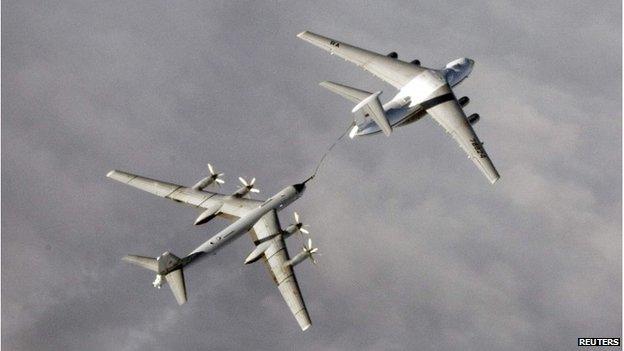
393, 55
463, 101
474, 118
416, 62
300, 257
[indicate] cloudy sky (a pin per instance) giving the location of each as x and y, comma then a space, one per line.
419, 251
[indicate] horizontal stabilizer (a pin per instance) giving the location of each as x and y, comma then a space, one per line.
142, 261
376, 112
175, 280
349, 93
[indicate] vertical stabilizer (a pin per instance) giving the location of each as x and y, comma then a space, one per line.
168, 268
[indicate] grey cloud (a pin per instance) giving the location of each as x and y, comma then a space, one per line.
419, 252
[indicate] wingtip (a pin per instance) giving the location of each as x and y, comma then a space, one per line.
110, 173
306, 327
300, 35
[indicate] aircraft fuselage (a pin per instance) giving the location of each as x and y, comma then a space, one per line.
404, 108
277, 202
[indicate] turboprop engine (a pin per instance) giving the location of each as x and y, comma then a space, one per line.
307, 252
267, 242
213, 178
248, 187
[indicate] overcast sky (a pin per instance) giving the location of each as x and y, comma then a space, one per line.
419, 251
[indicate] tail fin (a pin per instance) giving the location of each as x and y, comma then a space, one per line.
367, 102
161, 265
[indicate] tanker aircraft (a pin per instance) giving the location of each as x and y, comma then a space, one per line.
422, 91
258, 217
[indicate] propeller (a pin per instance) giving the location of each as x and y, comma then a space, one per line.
249, 186
300, 226
216, 177
310, 250
297, 227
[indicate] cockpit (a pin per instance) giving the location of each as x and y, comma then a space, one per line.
458, 70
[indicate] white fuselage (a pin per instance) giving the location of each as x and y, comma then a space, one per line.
419, 89
277, 202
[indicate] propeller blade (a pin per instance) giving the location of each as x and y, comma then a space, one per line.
314, 250
309, 243
253, 180
304, 231
296, 218
254, 190
211, 169
243, 181
219, 181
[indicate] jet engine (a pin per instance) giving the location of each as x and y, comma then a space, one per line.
463, 101
474, 118
415, 62
393, 55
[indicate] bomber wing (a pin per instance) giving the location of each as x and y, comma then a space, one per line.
391, 70
233, 208
443, 107
283, 275
228, 206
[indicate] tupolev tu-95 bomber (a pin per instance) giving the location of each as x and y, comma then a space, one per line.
422, 91
258, 217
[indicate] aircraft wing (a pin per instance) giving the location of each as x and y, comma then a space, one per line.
444, 109
391, 70
284, 276
230, 207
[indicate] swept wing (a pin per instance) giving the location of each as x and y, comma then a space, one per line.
391, 70
232, 208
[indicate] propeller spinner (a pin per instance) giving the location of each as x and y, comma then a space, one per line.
247, 187
297, 226
214, 178
310, 251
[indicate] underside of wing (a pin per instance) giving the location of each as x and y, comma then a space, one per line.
283, 275
449, 114
175, 280
224, 206
391, 70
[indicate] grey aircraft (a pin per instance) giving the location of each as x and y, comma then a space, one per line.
422, 91
258, 217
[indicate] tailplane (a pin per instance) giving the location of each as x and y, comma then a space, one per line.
366, 102
168, 268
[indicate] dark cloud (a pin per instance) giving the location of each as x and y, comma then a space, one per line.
419, 251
